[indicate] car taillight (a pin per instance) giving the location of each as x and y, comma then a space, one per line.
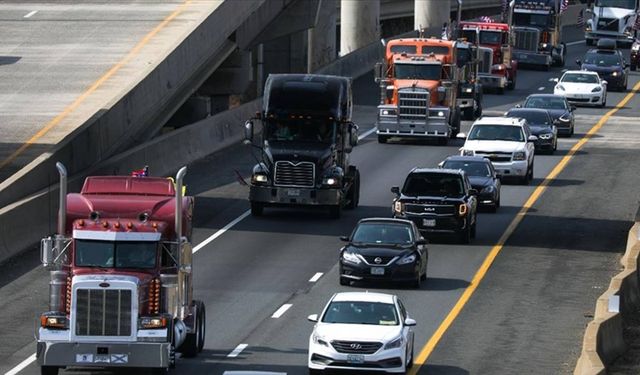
154, 296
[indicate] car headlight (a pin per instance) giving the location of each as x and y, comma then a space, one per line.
408, 259
467, 153
259, 178
350, 257
519, 155
546, 136
560, 88
597, 89
615, 74
398, 207
317, 339
396, 343
330, 181
487, 189
565, 118
388, 112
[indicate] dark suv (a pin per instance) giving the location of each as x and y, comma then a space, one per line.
438, 201
610, 66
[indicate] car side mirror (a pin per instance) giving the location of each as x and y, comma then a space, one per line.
532, 138
579, 62
344, 238
573, 108
395, 190
461, 136
248, 132
409, 322
422, 241
353, 134
441, 164
313, 318
473, 191
605, 82
556, 80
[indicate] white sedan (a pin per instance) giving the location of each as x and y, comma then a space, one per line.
582, 87
364, 331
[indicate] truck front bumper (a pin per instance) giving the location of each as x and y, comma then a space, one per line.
465, 103
532, 58
618, 37
433, 127
104, 354
491, 81
290, 196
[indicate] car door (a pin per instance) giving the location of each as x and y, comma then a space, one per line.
422, 249
407, 332
530, 145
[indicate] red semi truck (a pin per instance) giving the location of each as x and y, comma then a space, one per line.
121, 277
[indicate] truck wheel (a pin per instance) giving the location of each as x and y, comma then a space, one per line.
257, 209
202, 327
454, 123
335, 211
633, 67
193, 342
467, 114
354, 191
49, 370
382, 138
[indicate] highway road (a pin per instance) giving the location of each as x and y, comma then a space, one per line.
515, 303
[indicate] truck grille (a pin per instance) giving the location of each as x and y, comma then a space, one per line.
495, 156
527, 39
351, 347
103, 312
608, 24
429, 209
413, 104
295, 174
486, 60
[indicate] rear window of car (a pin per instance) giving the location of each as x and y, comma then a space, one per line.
433, 184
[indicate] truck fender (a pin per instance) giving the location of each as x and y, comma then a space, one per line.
179, 332
260, 168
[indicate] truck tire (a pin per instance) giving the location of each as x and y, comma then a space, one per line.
257, 209
455, 123
382, 138
49, 370
195, 341
633, 67
203, 326
354, 191
335, 211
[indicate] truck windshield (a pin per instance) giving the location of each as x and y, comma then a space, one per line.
496, 133
469, 35
490, 37
433, 184
429, 72
118, 254
533, 20
302, 130
627, 4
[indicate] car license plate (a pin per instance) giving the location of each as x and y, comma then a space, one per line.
429, 222
355, 358
377, 270
293, 192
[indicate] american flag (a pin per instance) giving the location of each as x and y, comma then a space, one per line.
564, 5
486, 19
144, 172
504, 6
580, 23
636, 25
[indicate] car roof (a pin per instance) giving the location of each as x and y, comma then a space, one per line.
467, 158
507, 121
385, 220
534, 110
545, 96
437, 170
363, 297
581, 72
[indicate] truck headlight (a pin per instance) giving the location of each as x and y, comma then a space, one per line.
259, 178
330, 181
152, 322
467, 153
597, 89
544, 45
388, 112
519, 155
396, 343
408, 259
468, 90
350, 257
615, 74
53, 321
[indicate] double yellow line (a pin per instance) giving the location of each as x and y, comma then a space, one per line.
426, 351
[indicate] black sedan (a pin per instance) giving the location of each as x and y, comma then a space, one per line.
610, 66
540, 124
482, 176
558, 107
384, 249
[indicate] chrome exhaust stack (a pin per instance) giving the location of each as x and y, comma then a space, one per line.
178, 216
62, 208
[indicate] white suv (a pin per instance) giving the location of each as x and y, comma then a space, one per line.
506, 141
364, 331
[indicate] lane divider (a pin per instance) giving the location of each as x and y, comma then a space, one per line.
96, 85
236, 352
283, 309
22, 365
28, 15
316, 277
429, 347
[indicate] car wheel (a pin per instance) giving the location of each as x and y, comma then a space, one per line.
604, 101
382, 139
409, 363
464, 236
257, 209
572, 129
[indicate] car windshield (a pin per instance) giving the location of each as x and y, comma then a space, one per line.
627, 4
545, 102
429, 72
434, 184
496, 133
472, 168
304, 130
383, 233
119, 254
360, 312
490, 37
579, 78
602, 59
533, 117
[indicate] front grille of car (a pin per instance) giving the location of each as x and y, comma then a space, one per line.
291, 174
527, 39
497, 156
356, 347
608, 24
413, 104
384, 260
103, 312
486, 60
578, 100
424, 209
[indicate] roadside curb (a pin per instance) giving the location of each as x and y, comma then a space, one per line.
603, 340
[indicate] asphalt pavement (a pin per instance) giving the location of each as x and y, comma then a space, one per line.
526, 316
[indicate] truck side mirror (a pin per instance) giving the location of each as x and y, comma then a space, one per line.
353, 134
395, 190
248, 133
378, 71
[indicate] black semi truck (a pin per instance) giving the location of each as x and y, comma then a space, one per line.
307, 135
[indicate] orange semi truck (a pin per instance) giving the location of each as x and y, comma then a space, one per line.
419, 81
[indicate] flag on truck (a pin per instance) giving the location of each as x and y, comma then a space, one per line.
636, 24
486, 19
564, 5
504, 7
580, 22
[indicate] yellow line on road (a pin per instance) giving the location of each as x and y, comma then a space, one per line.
113, 70
488, 261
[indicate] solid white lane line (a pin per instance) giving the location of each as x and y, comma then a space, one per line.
236, 352
367, 133
221, 231
281, 310
575, 43
316, 277
30, 14
21, 365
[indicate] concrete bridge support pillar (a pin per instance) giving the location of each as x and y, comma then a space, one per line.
322, 37
431, 13
359, 24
